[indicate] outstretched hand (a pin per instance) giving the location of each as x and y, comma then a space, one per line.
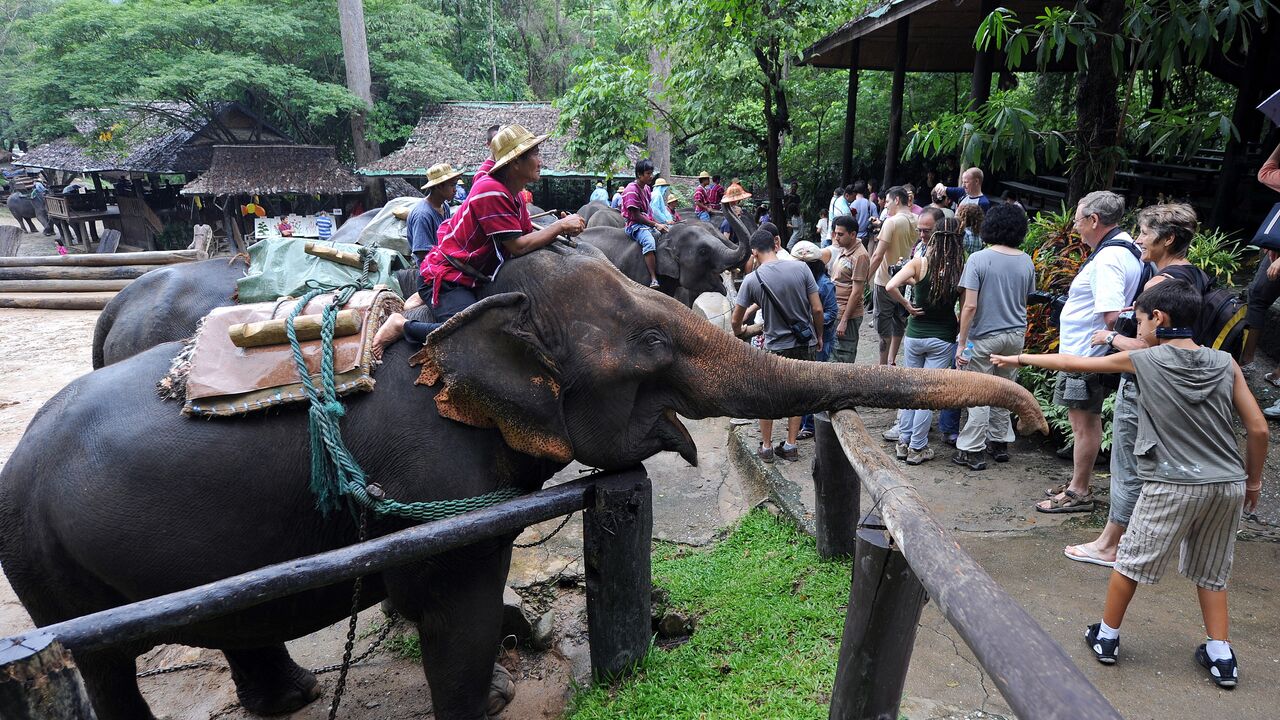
1006, 360
571, 225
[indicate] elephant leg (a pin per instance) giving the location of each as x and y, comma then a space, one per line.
110, 677
269, 682
460, 633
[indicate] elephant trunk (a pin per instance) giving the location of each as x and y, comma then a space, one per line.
726, 377
734, 258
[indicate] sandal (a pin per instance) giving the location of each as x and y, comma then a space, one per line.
804, 434
1272, 379
1055, 491
654, 284
1072, 503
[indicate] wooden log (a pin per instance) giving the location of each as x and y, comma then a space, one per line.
56, 301
163, 614
156, 257
59, 286
885, 602
617, 530
39, 681
117, 272
307, 327
836, 488
328, 252
1034, 674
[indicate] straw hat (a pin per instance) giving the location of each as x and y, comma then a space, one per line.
662, 182
734, 194
704, 175
511, 142
673, 198
441, 173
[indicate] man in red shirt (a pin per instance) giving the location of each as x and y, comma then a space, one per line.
714, 193
640, 224
492, 225
702, 197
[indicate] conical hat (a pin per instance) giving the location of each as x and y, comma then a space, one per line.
735, 193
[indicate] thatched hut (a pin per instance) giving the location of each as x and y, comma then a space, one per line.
286, 179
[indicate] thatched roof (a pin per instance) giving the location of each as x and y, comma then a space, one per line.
454, 132
274, 170
162, 138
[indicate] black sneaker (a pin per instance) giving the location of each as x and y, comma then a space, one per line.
1105, 650
971, 460
792, 455
1223, 672
999, 451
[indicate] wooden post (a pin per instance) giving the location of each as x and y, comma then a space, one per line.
616, 531
980, 90
850, 117
885, 601
1248, 122
837, 487
893, 147
39, 681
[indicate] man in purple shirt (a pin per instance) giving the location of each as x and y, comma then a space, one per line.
640, 224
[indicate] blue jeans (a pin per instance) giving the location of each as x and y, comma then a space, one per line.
704, 216
913, 425
642, 234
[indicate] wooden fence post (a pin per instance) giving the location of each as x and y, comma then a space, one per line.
885, 601
837, 489
39, 681
617, 528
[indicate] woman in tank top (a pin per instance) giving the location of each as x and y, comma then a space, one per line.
930, 340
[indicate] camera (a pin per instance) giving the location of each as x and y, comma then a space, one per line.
1126, 324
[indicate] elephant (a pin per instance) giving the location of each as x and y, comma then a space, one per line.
25, 208
562, 358
606, 217
591, 208
351, 229
691, 257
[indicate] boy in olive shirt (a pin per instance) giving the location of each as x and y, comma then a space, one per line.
1194, 484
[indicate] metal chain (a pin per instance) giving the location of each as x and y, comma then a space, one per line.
351, 628
553, 533
176, 668
373, 647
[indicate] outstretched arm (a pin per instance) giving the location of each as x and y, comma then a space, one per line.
1119, 362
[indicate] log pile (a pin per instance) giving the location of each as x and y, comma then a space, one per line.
77, 282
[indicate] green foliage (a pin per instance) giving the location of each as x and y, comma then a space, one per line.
999, 135
767, 637
602, 107
1217, 254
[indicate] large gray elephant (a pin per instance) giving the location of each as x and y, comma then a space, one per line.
591, 208
691, 257
26, 208
606, 217
563, 358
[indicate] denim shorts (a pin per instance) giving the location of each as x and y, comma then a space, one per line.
642, 234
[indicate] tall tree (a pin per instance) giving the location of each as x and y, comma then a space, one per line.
355, 55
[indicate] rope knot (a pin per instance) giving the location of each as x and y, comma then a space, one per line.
333, 408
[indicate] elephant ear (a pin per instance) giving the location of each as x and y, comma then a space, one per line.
496, 373
668, 264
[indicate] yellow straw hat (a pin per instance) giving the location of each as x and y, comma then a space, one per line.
662, 182
672, 197
441, 173
704, 175
511, 142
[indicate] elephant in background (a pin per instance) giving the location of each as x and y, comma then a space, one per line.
25, 208
606, 217
591, 208
563, 358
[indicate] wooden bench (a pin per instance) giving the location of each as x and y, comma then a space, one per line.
1043, 197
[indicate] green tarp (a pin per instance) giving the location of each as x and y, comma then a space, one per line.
280, 267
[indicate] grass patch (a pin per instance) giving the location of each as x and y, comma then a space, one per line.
770, 620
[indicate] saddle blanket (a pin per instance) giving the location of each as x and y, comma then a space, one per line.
214, 378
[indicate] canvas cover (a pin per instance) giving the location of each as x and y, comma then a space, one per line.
280, 267
388, 228
213, 377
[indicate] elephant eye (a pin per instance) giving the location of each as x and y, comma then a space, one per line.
653, 338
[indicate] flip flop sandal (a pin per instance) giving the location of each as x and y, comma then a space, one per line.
1086, 556
1055, 491
1072, 503
1272, 379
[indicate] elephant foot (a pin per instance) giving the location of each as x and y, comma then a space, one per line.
48, 233
502, 690
268, 682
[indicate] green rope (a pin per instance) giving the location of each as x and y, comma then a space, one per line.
335, 474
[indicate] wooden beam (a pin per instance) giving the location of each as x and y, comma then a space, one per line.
55, 301
850, 118
893, 147
1034, 674
62, 286
45, 272
980, 91
158, 257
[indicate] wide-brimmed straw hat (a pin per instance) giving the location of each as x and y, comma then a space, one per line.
441, 173
704, 175
734, 194
511, 142
672, 197
661, 182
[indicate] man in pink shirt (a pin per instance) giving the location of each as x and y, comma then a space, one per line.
640, 224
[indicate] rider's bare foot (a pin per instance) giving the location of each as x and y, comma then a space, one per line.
391, 331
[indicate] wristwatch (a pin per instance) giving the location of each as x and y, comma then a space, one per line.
1111, 339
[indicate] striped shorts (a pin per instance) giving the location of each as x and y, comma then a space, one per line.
1198, 522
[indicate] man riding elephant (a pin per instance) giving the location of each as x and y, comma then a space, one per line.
30, 206
640, 223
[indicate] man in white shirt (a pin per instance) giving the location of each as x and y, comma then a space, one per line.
1105, 285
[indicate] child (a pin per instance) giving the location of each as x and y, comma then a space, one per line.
1193, 483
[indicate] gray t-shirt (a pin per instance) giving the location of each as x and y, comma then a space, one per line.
1185, 416
791, 282
1003, 282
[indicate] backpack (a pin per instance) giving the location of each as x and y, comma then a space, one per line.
1221, 322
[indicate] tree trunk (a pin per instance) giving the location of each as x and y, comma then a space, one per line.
659, 135
355, 55
1097, 112
493, 50
893, 147
850, 119
777, 121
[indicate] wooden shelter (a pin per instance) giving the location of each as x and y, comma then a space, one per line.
249, 173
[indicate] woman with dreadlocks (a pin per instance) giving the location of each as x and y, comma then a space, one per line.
931, 330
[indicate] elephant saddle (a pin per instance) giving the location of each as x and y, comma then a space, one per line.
216, 375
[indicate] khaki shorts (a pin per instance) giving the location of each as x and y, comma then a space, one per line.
1197, 522
1079, 391
891, 317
